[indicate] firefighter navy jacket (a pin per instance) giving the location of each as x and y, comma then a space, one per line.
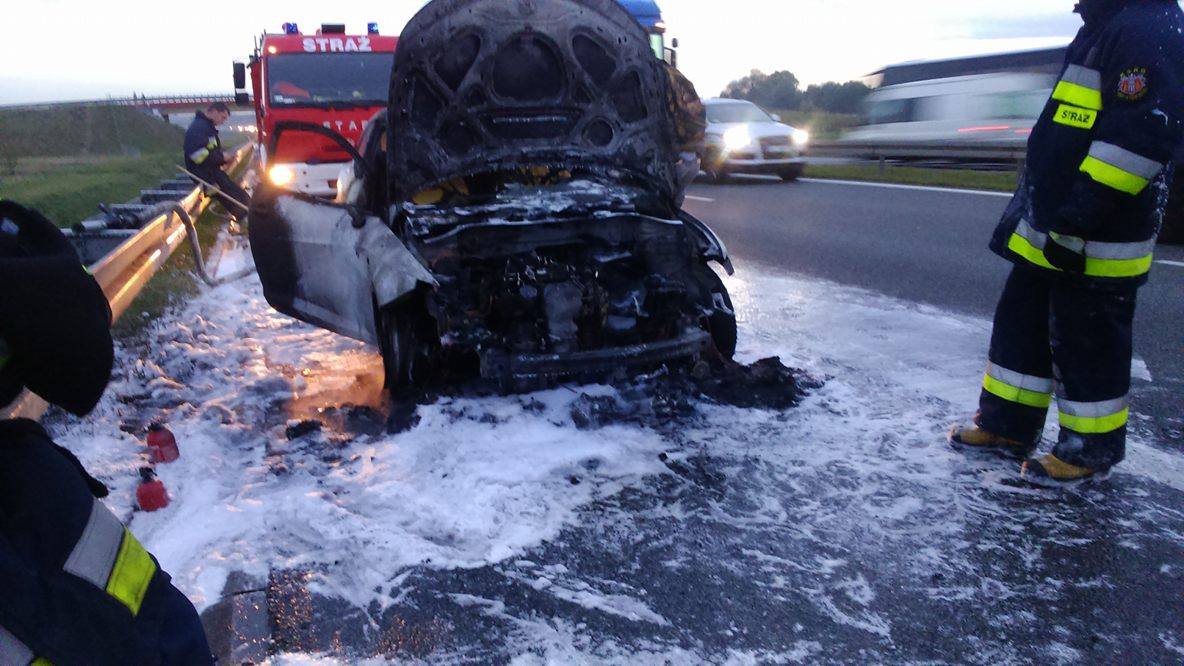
203, 147
77, 587
1100, 156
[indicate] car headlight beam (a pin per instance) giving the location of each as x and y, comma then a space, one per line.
737, 138
281, 175
801, 137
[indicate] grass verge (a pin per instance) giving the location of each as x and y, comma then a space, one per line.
69, 190
998, 181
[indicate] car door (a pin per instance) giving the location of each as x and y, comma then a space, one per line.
329, 264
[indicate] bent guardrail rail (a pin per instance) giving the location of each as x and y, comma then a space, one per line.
123, 273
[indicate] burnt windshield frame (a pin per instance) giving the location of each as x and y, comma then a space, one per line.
324, 77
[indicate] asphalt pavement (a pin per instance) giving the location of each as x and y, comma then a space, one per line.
929, 246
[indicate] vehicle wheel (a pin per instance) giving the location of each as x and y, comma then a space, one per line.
410, 357
722, 323
790, 174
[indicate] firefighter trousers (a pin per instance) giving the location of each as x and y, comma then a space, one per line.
233, 197
1051, 336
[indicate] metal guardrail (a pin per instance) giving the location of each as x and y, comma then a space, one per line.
137, 101
924, 150
123, 273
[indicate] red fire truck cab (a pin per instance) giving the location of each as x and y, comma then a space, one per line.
330, 78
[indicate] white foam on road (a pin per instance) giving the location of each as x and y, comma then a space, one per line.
486, 480
896, 186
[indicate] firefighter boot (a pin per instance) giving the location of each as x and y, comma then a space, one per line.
1052, 472
973, 438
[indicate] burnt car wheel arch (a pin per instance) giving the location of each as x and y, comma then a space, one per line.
409, 342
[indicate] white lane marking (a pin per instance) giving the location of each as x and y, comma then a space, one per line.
692, 197
897, 186
1170, 263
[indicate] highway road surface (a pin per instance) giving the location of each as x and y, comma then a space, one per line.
327, 524
929, 246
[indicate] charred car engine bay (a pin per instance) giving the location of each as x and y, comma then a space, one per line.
512, 213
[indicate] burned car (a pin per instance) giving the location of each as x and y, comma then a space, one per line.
512, 214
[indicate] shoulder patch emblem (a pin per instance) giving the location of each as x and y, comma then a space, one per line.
1133, 84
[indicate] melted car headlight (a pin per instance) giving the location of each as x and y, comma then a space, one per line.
281, 175
801, 137
737, 138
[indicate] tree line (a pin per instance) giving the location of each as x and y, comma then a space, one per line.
782, 91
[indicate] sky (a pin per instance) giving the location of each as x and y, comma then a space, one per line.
81, 49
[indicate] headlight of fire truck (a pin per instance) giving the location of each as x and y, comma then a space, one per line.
281, 175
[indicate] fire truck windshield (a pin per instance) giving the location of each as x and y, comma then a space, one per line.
340, 79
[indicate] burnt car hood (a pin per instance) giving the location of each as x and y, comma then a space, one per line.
496, 85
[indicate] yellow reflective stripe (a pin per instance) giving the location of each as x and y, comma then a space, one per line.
212, 143
132, 573
199, 156
1094, 266
1078, 95
1095, 425
1118, 268
1015, 394
1111, 176
41, 661
1075, 116
1023, 247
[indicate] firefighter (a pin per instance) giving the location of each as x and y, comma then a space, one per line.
204, 157
75, 586
1080, 232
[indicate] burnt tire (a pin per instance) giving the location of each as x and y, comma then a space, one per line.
722, 322
410, 355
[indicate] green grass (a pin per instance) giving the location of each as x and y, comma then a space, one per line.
1001, 181
68, 190
91, 130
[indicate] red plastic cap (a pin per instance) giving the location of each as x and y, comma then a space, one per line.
152, 496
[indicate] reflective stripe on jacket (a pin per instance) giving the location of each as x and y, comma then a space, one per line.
1100, 158
78, 587
203, 146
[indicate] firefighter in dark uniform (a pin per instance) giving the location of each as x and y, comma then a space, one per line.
205, 159
75, 586
1081, 231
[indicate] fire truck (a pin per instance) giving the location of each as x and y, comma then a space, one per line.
331, 79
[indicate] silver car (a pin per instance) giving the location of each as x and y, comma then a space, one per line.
743, 138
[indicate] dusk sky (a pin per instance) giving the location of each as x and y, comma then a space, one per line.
75, 49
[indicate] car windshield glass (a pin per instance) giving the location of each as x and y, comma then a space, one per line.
337, 79
736, 113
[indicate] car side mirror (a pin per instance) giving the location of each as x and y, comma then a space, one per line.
288, 126
242, 99
674, 43
240, 76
